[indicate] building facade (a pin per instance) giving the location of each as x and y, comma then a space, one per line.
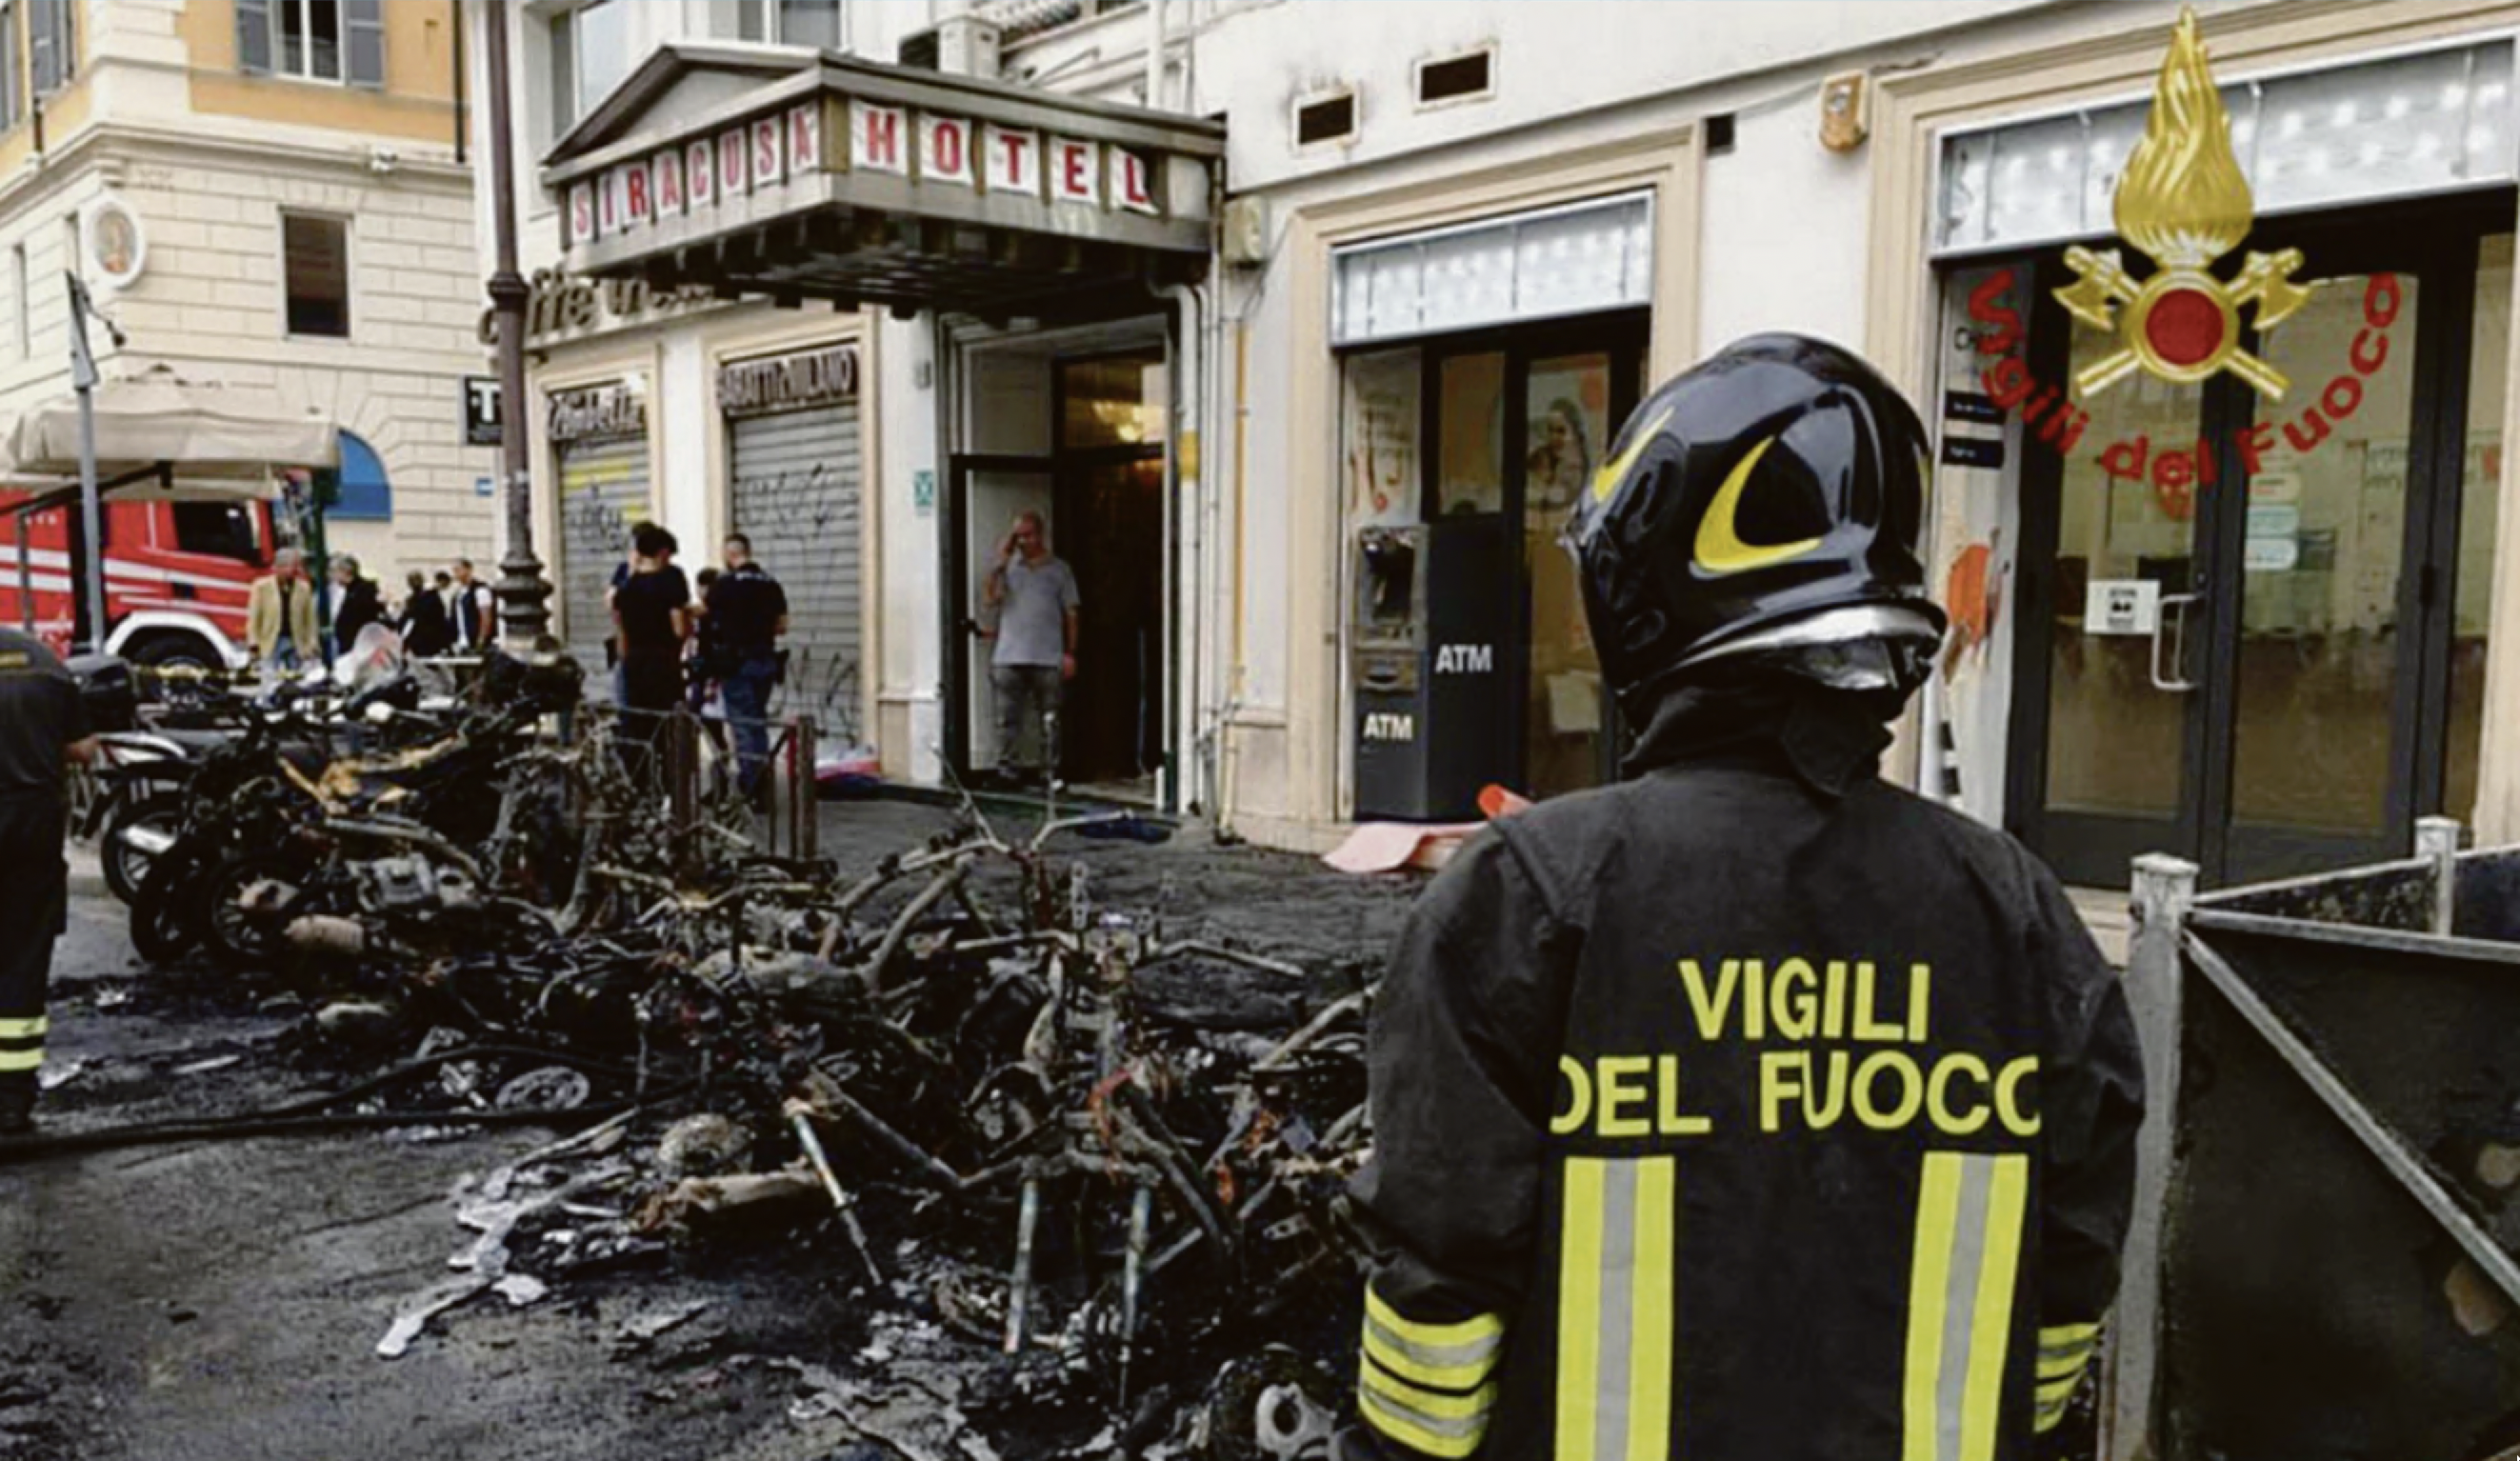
2243, 606
264, 193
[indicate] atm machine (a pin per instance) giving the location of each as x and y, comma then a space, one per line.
1433, 707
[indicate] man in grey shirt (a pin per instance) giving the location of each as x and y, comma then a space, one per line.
1034, 598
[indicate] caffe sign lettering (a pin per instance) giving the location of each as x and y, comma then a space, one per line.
596, 412
702, 177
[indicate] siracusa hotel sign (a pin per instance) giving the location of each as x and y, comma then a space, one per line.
699, 176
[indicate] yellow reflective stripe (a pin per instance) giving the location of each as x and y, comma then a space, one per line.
1427, 1403
2060, 1335
1972, 1211
13, 1061
2057, 1392
1649, 1349
14, 1029
2052, 1367
1480, 1330
2006, 1204
1615, 1302
1386, 1353
2048, 1418
1452, 1439
1579, 1307
1929, 1282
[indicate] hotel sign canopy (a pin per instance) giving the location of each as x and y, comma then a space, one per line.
802, 175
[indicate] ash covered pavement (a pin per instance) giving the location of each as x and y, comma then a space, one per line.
230, 1298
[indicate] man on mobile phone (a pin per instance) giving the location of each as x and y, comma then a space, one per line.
1033, 595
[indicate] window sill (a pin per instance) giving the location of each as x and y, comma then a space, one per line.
294, 79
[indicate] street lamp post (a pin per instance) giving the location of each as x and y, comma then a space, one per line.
83, 381
522, 590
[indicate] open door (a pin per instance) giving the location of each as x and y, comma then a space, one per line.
989, 492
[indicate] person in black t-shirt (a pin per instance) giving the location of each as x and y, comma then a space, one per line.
651, 617
748, 612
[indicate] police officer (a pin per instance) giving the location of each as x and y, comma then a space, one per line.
44, 728
748, 616
1750, 1108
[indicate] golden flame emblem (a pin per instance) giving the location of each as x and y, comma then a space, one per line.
2184, 203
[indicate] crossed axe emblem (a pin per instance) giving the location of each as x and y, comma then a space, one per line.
2182, 324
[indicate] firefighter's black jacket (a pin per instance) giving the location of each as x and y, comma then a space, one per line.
1751, 1107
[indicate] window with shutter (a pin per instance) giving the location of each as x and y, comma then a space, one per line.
253, 36
312, 40
365, 22
47, 45
13, 89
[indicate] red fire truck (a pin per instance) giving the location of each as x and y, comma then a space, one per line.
178, 575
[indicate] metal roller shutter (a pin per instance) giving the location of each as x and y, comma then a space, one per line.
603, 495
796, 497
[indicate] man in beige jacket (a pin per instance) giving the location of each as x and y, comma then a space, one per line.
280, 616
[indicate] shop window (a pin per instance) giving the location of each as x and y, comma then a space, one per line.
1470, 78
313, 40
1576, 260
52, 43
589, 54
2419, 123
222, 529
366, 495
1117, 401
1379, 433
317, 255
1469, 452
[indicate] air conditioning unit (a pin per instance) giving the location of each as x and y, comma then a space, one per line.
962, 46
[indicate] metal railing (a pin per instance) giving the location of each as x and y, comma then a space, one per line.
2328, 1175
694, 766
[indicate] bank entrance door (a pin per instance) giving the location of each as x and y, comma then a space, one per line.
2253, 628
1504, 428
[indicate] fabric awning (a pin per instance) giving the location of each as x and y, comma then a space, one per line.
168, 436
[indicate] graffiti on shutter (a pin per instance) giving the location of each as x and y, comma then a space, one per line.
797, 496
603, 495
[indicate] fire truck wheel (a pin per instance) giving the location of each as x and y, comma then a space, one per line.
168, 649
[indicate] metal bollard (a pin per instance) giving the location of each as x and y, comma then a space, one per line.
2437, 841
2164, 888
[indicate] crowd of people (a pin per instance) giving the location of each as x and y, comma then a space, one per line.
453, 614
717, 648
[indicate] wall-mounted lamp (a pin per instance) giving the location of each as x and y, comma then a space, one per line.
1845, 111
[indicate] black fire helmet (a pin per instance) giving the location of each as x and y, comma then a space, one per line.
1763, 507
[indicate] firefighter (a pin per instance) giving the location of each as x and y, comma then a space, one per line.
1750, 1108
43, 729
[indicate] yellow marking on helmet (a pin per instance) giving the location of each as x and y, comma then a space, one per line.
1720, 549
1606, 483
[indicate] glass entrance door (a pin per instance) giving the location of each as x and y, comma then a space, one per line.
2245, 644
